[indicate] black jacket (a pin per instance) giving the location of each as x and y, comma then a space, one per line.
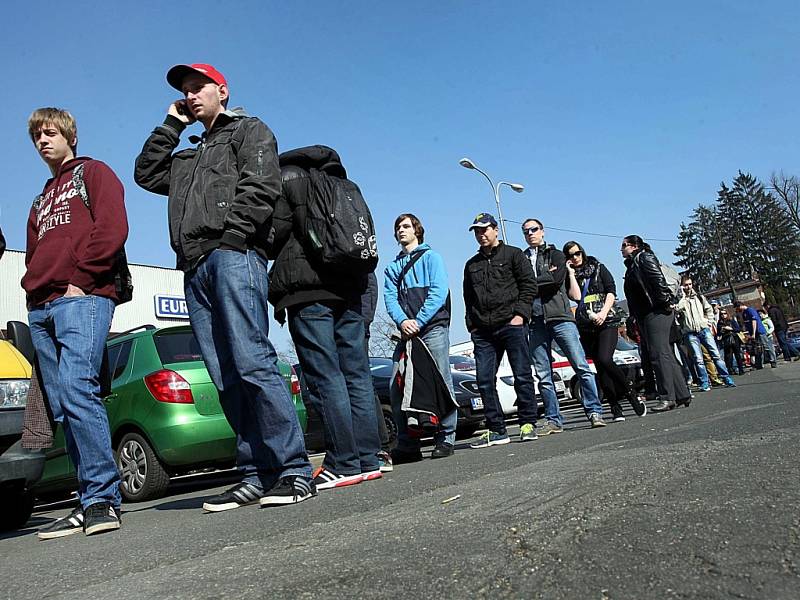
778, 318
551, 290
497, 287
222, 192
294, 279
645, 287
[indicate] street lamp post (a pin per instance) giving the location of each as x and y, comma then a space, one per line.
517, 187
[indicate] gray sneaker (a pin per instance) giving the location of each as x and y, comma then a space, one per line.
596, 420
490, 438
549, 427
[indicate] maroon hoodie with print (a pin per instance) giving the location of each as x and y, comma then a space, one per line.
68, 244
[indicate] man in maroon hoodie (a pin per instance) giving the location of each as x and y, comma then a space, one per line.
76, 229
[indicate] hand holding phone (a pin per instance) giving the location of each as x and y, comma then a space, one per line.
180, 110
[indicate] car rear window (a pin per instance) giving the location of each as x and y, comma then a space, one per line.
177, 347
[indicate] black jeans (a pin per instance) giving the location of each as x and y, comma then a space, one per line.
734, 350
655, 327
599, 345
489, 346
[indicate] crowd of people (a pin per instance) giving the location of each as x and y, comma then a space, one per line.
234, 204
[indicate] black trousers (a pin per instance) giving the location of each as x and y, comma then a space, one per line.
655, 327
599, 345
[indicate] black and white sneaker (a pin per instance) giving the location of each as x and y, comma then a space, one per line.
289, 490
101, 517
241, 494
72, 523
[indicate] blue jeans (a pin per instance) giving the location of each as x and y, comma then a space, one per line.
227, 300
437, 339
329, 340
69, 336
788, 348
489, 346
697, 339
565, 333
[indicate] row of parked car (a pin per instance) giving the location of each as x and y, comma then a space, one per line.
166, 419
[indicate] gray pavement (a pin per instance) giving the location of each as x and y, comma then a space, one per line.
700, 502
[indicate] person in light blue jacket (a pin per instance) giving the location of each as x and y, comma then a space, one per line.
417, 299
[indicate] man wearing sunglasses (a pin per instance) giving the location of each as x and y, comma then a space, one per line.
552, 319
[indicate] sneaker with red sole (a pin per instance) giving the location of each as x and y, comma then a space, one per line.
371, 475
325, 479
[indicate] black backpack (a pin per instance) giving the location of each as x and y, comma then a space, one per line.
123, 282
340, 233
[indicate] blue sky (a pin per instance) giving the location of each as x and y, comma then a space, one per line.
618, 117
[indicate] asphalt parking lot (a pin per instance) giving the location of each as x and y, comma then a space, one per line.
695, 503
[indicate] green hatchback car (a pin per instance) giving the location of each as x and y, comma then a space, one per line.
164, 414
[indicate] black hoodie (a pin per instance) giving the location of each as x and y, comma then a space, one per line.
294, 279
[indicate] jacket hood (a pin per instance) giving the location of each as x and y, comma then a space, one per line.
322, 158
402, 253
67, 167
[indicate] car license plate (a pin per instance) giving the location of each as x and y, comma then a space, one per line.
477, 403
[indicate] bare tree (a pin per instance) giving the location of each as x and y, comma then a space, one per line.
787, 189
381, 332
287, 353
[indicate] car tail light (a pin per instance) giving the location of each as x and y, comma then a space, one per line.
295, 383
168, 386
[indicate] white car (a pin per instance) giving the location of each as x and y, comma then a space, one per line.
505, 378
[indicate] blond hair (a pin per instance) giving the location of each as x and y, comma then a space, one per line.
59, 118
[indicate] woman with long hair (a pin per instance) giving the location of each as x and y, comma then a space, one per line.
651, 302
592, 286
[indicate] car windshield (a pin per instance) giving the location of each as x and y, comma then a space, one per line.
462, 363
177, 347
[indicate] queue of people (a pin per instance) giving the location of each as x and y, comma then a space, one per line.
233, 205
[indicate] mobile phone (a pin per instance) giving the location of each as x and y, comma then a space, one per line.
183, 108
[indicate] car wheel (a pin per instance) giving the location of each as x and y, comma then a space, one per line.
143, 476
391, 426
464, 432
16, 507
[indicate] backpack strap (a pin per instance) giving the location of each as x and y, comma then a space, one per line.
415, 256
79, 183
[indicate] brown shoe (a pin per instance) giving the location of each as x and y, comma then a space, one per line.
663, 406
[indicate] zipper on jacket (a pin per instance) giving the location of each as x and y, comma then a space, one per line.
200, 149
260, 162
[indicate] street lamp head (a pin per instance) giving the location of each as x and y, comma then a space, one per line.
517, 187
466, 163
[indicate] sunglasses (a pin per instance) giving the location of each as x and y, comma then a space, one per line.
625, 244
574, 254
530, 230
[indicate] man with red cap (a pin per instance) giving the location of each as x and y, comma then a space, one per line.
221, 198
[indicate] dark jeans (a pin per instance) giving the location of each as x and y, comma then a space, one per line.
227, 300
329, 339
489, 346
655, 327
788, 349
383, 433
734, 351
599, 345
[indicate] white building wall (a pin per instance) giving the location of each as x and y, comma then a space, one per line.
150, 285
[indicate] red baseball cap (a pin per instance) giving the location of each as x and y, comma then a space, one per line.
176, 74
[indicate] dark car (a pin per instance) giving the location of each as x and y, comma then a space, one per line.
470, 406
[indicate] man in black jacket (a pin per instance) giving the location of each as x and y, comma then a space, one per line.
499, 288
221, 198
552, 319
326, 323
781, 331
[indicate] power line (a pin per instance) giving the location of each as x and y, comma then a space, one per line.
608, 235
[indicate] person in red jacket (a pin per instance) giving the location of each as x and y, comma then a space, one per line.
76, 229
